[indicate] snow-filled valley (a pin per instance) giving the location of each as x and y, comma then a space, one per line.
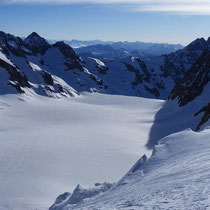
48, 146
72, 125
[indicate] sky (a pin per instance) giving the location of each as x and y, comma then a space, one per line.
177, 21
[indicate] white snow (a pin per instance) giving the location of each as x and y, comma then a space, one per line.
100, 63
34, 67
4, 58
173, 118
13, 44
177, 176
48, 146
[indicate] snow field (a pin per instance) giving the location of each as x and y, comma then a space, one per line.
48, 146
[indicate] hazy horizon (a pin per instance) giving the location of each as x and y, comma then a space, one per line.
156, 21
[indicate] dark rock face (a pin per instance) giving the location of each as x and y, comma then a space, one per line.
153, 91
198, 44
73, 60
102, 69
138, 78
47, 78
205, 117
146, 75
11, 44
74, 65
36, 43
176, 64
16, 78
194, 80
67, 51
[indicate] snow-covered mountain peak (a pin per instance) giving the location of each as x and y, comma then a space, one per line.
11, 44
36, 43
66, 50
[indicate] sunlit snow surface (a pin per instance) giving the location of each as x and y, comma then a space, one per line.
48, 146
177, 176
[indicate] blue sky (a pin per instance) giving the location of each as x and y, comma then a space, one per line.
114, 21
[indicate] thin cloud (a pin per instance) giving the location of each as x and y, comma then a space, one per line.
195, 7
190, 9
110, 1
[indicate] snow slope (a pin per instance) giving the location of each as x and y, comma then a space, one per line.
188, 105
171, 118
48, 146
176, 176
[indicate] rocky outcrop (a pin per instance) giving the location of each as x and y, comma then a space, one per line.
194, 80
205, 117
36, 43
16, 79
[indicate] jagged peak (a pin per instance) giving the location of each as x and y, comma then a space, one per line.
67, 51
198, 40
34, 34
199, 43
11, 44
35, 40
36, 43
193, 83
7, 37
61, 43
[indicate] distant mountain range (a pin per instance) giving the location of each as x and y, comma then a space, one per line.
78, 43
101, 49
33, 66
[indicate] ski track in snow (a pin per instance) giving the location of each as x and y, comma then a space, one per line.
48, 146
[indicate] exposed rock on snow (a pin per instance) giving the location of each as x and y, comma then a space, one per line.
194, 81
205, 117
